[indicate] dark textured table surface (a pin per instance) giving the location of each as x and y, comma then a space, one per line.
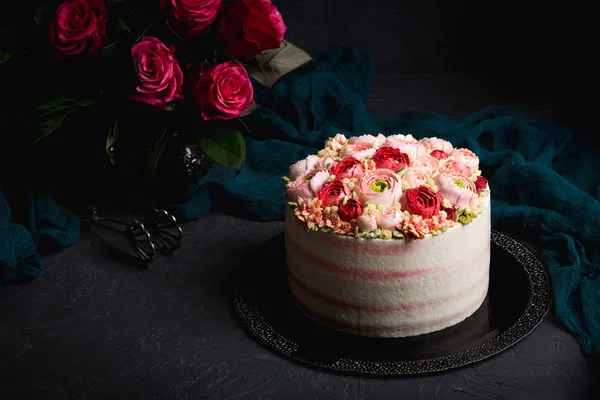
95, 327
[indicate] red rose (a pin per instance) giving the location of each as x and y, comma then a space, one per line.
421, 201
159, 73
191, 17
223, 91
78, 28
450, 214
333, 192
439, 154
347, 168
251, 26
350, 210
480, 184
391, 158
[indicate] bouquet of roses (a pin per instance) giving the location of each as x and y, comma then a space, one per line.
149, 73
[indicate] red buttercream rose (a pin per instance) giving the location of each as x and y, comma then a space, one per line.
223, 91
347, 168
439, 154
159, 73
191, 17
421, 201
350, 210
450, 214
391, 158
78, 28
250, 26
480, 184
333, 192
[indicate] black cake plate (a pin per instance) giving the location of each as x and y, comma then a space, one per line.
518, 299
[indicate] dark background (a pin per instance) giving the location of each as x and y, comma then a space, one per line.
95, 327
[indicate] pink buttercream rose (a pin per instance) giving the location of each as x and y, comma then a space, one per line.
367, 221
303, 165
191, 17
466, 157
425, 164
223, 91
414, 178
348, 168
158, 71
455, 166
251, 26
434, 143
390, 217
307, 185
78, 28
456, 188
379, 186
414, 149
360, 150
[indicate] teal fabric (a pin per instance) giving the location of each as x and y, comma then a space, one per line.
545, 183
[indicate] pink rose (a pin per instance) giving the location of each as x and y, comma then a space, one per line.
306, 185
333, 192
304, 165
367, 221
78, 28
379, 186
158, 71
350, 210
466, 157
250, 27
439, 154
191, 17
425, 164
433, 143
414, 149
415, 178
376, 140
360, 150
391, 158
458, 167
223, 91
456, 188
422, 201
390, 217
348, 168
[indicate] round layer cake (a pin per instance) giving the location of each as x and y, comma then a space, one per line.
388, 236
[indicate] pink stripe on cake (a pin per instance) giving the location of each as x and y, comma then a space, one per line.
381, 309
379, 330
339, 269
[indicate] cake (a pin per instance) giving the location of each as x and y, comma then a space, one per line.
388, 236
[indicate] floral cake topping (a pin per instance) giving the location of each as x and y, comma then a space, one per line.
394, 187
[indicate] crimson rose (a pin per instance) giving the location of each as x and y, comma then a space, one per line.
480, 184
250, 26
450, 214
350, 210
333, 192
78, 28
191, 17
349, 167
391, 158
421, 201
439, 154
223, 91
159, 73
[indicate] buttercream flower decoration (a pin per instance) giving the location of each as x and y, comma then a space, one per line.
466, 157
367, 221
350, 210
379, 186
413, 148
359, 150
391, 158
421, 201
376, 140
480, 184
457, 188
306, 164
307, 185
347, 168
333, 192
389, 217
436, 144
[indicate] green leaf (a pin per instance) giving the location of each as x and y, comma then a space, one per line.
122, 26
273, 64
4, 56
54, 113
155, 152
224, 146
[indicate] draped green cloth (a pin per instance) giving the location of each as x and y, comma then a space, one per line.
545, 183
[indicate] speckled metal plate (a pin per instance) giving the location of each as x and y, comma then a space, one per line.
518, 299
